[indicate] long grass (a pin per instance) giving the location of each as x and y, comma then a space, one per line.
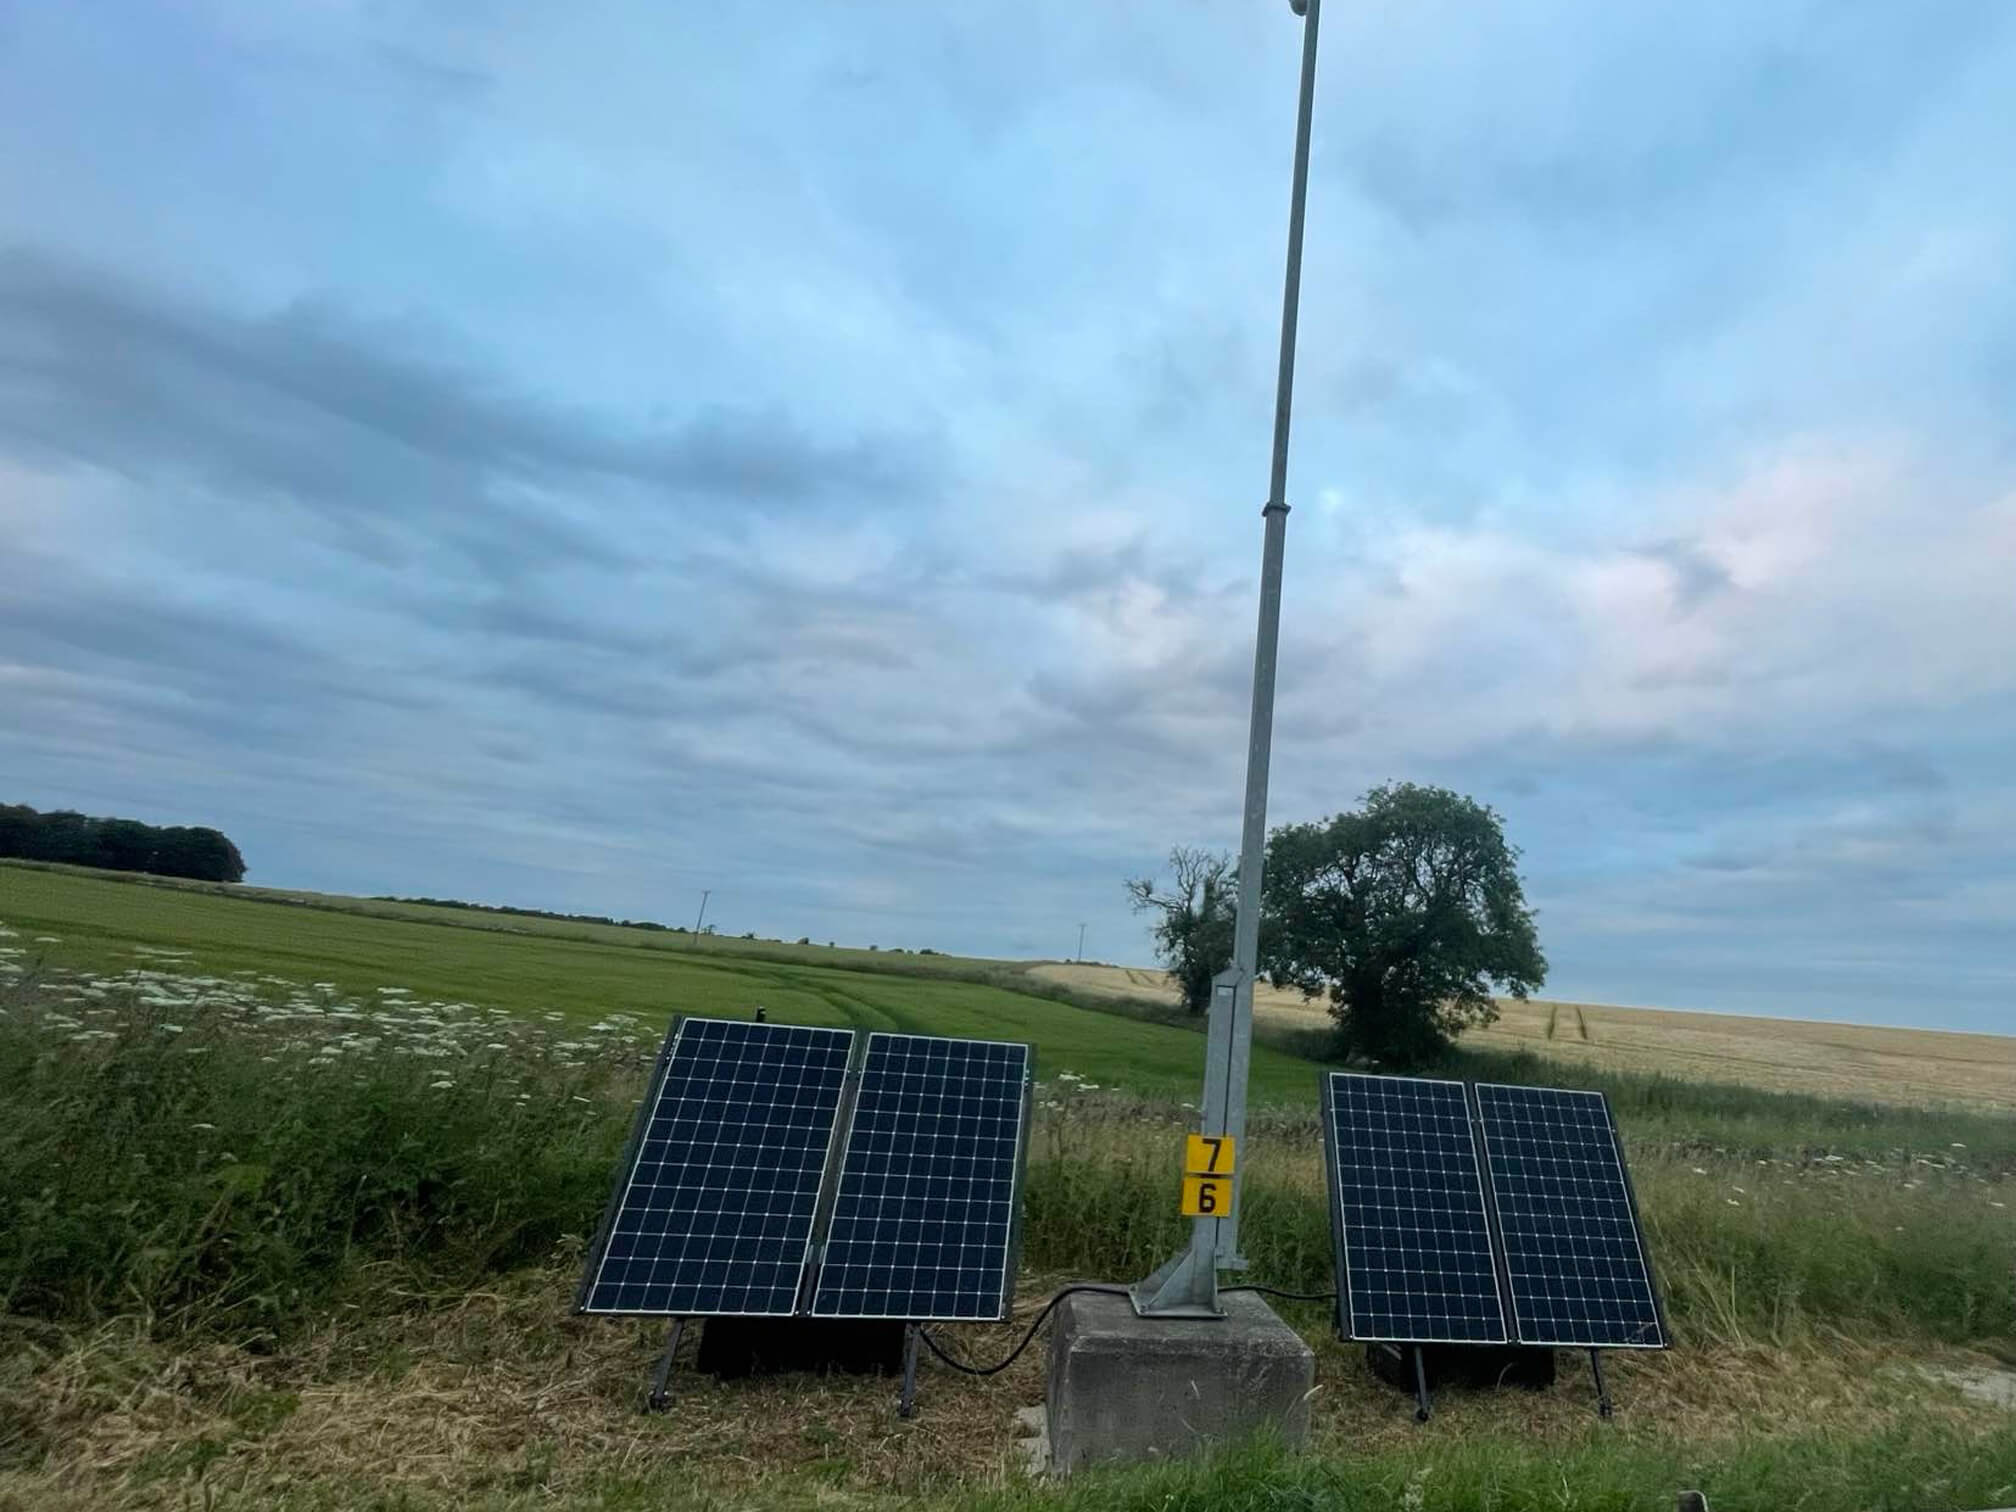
1776, 1247
209, 1158
210, 1151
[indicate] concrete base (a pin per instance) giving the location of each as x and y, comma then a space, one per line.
1126, 1388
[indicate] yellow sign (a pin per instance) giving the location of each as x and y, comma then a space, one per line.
1207, 1196
1208, 1155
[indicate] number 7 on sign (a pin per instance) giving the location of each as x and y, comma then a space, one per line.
1208, 1155
1208, 1161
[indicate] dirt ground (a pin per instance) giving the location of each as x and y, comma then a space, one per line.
1917, 1066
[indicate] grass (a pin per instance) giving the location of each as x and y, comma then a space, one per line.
1912, 1465
229, 1151
498, 1400
210, 1154
533, 966
269, 1243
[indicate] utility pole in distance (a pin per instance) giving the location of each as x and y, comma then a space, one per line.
705, 894
1186, 1286
1081, 942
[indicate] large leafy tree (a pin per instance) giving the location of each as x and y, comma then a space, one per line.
1194, 918
1406, 913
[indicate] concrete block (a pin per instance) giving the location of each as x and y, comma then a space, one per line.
1034, 1441
1125, 1388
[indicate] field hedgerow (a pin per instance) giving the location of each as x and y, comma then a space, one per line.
229, 1151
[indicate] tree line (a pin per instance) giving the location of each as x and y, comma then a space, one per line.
118, 844
535, 913
1405, 913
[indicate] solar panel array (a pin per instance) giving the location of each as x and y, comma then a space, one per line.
718, 1206
1574, 1261
1507, 1219
1415, 1238
716, 1215
924, 1222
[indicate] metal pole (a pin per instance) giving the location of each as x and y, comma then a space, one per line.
906, 1406
1081, 942
705, 894
1187, 1285
1260, 740
661, 1375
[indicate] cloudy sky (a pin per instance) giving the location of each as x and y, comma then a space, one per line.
580, 455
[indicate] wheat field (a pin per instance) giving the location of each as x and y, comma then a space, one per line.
1916, 1066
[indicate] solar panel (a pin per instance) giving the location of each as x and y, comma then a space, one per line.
1413, 1238
924, 1219
714, 1211
1574, 1257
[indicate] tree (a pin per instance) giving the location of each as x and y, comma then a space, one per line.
125, 845
118, 844
1405, 912
1193, 936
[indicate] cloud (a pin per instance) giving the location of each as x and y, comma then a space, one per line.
367, 429
580, 462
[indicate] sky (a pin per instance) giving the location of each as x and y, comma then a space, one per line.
580, 456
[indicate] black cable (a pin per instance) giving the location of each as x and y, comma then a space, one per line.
1117, 1291
1030, 1333
1287, 1296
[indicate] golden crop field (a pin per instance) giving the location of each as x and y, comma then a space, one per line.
1917, 1066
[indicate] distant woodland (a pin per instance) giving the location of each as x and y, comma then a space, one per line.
118, 844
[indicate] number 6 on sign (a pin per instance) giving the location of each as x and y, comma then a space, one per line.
1207, 1175
1207, 1196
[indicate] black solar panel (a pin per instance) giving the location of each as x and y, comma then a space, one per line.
1574, 1258
1414, 1243
924, 1220
714, 1214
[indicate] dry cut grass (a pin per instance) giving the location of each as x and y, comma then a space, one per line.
500, 1396
1908, 1066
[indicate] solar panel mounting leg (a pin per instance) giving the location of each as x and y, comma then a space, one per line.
659, 1399
1602, 1392
1421, 1408
907, 1407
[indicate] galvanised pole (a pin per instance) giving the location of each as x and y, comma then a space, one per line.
1187, 1285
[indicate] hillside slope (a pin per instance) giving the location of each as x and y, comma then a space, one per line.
108, 925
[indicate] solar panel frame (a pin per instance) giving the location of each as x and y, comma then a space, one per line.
1011, 1248
1340, 1230
619, 1181
626, 1171
1613, 1143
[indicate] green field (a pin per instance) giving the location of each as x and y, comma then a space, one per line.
531, 966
